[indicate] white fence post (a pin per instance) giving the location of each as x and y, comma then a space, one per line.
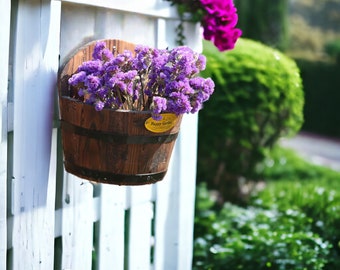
5, 12
160, 217
176, 195
111, 228
141, 214
77, 224
33, 187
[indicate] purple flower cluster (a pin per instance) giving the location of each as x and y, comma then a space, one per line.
219, 23
147, 80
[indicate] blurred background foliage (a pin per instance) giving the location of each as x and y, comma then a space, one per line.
301, 28
258, 99
289, 217
292, 223
308, 31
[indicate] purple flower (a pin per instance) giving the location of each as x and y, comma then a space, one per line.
178, 103
208, 86
151, 80
98, 48
196, 105
159, 104
130, 75
201, 62
99, 105
143, 57
77, 78
101, 53
81, 92
89, 67
102, 92
92, 82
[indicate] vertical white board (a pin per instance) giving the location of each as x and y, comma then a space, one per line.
34, 165
175, 203
110, 240
34, 78
5, 12
82, 23
175, 196
77, 224
139, 228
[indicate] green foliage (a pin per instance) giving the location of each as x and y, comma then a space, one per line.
258, 98
285, 164
311, 189
264, 21
321, 83
240, 238
333, 49
291, 224
302, 43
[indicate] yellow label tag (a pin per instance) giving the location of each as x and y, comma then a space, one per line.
167, 122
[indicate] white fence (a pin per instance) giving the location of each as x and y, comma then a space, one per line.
53, 220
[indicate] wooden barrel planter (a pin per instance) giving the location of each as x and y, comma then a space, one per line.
112, 146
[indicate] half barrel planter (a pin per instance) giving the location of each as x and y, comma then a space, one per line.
112, 146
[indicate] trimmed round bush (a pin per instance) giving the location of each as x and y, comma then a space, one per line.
258, 98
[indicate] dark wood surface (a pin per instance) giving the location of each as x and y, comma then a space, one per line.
110, 146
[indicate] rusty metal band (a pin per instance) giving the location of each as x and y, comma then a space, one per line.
112, 178
118, 138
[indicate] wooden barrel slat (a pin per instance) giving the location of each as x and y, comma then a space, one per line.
110, 146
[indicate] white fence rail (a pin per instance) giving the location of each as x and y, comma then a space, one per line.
50, 219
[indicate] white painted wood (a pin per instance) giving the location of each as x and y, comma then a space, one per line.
77, 224
110, 239
36, 229
33, 186
35, 223
81, 24
36, 64
9, 111
175, 195
152, 8
139, 249
175, 203
5, 12
137, 195
185, 170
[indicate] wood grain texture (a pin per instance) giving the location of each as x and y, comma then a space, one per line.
31, 190
110, 146
5, 12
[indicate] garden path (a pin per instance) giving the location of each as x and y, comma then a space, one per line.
318, 149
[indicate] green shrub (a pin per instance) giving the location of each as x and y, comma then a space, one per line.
265, 21
333, 49
255, 238
321, 83
258, 98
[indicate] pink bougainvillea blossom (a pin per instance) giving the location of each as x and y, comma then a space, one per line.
219, 23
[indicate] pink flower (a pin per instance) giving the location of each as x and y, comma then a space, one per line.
225, 39
219, 23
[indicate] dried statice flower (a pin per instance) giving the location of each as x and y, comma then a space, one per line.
149, 79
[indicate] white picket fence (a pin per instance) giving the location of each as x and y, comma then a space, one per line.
50, 219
